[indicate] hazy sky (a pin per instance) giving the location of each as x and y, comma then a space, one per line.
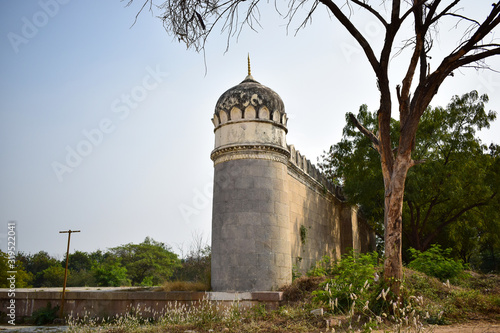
106, 127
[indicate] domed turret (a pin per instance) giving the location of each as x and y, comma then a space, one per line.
250, 230
250, 100
249, 114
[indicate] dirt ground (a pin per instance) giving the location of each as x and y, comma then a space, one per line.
474, 327
482, 327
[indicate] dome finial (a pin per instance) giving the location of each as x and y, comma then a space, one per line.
249, 76
249, 71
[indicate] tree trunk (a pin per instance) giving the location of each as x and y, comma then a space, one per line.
393, 221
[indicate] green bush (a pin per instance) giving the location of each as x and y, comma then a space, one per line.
110, 274
349, 280
436, 262
46, 315
322, 267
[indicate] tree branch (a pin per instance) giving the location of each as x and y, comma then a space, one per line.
371, 10
456, 217
344, 20
446, 12
369, 134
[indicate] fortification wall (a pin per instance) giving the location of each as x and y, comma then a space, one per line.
322, 223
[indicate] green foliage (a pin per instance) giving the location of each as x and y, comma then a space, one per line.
82, 278
349, 279
196, 267
23, 278
149, 262
296, 272
36, 264
53, 276
436, 262
46, 315
111, 274
79, 261
443, 203
322, 267
303, 234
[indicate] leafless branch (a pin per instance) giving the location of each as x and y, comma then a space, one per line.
371, 10
344, 20
140, 10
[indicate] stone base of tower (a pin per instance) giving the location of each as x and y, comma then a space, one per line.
250, 226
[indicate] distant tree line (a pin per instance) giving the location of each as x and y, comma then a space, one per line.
149, 263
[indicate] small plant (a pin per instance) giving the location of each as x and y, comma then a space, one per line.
322, 267
46, 315
295, 272
303, 234
436, 262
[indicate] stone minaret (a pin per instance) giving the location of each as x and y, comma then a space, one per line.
251, 248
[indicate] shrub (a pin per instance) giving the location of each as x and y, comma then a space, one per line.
322, 268
45, 315
436, 262
350, 279
110, 274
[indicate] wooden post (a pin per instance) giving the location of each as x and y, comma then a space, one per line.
65, 270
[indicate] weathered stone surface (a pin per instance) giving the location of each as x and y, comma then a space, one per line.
250, 92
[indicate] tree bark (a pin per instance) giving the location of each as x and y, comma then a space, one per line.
394, 194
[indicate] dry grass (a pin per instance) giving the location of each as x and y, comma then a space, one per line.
475, 298
185, 286
301, 288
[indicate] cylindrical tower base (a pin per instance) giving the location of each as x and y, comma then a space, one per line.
250, 229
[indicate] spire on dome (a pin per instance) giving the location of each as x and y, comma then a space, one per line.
249, 71
249, 76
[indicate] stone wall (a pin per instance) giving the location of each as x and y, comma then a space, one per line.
322, 222
94, 302
272, 209
250, 228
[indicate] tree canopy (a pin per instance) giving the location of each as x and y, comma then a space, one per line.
148, 263
452, 198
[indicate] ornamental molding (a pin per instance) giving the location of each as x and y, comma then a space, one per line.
255, 120
240, 152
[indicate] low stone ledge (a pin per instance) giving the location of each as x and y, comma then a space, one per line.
95, 302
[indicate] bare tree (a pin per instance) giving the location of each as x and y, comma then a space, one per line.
191, 21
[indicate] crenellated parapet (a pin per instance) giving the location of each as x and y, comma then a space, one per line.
301, 164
